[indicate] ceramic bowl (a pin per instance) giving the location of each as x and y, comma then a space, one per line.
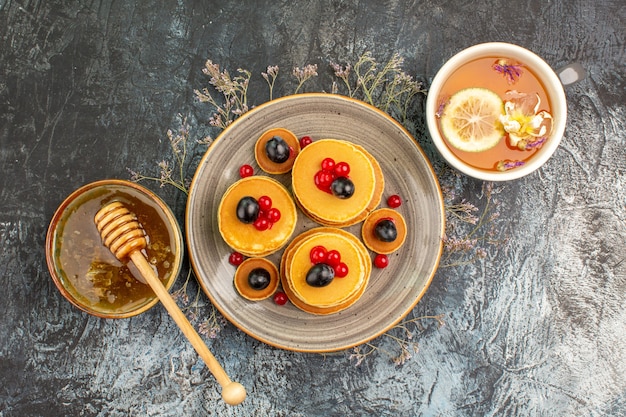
547, 77
86, 272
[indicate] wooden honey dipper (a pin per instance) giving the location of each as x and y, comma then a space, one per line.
122, 233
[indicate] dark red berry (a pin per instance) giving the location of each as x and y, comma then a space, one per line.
261, 224
341, 270
280, 298
273, 215
305, 140
328, 164
317, 254
235, 258
341, 169
381, 261
394, 201
265, 203
246, 171
333, 257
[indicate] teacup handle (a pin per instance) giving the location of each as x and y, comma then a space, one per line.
571, 73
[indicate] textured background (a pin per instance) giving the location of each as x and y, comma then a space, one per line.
538, 327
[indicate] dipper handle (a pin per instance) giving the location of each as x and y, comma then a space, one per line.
122, 233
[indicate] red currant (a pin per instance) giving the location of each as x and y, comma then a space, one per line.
273, 215
235, 258
280, 298
394, 201
305, 140
323, 179
265, 203
341, 169
341, 270
333, 257
317, 254
246, 171
328, 164
261, 223
381, 261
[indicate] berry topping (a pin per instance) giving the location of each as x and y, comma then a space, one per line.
394, 201
277, 150
328, 164
259, 278
330, 258
280, 298
265, 203
385, 230
235, 258
247, 210
342, 187
341, 169
333, 178
259, 213
246, 171
381, 261
273, 215
333, 258
305, 140
323, 179
317, 254
341, 270
320, 275
262, 223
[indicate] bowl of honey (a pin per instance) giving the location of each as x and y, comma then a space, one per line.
87, 273
496, 111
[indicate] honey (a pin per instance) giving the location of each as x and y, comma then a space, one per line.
90, 272
482, 74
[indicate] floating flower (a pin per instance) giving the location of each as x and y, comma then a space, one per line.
522, 121
510, 69
506, 165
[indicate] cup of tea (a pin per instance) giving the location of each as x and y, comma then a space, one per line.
497, 111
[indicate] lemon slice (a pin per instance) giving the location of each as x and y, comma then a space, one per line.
471, 120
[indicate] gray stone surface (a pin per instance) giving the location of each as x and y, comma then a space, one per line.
538, 327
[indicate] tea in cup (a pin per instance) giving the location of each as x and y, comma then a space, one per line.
496, 111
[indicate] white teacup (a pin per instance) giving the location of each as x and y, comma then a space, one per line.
554, 89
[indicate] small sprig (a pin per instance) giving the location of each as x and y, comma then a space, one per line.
389, 88
270, 78
168, 174
402, 334
303, 75
209, 326
234, 92
466, 245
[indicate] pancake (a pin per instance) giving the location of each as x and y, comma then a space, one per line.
341, 293
262, 159
242, 284
245, 238
324, 207
372, 241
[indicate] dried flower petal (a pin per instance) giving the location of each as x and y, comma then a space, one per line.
522, 122
505, 165
510, 69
